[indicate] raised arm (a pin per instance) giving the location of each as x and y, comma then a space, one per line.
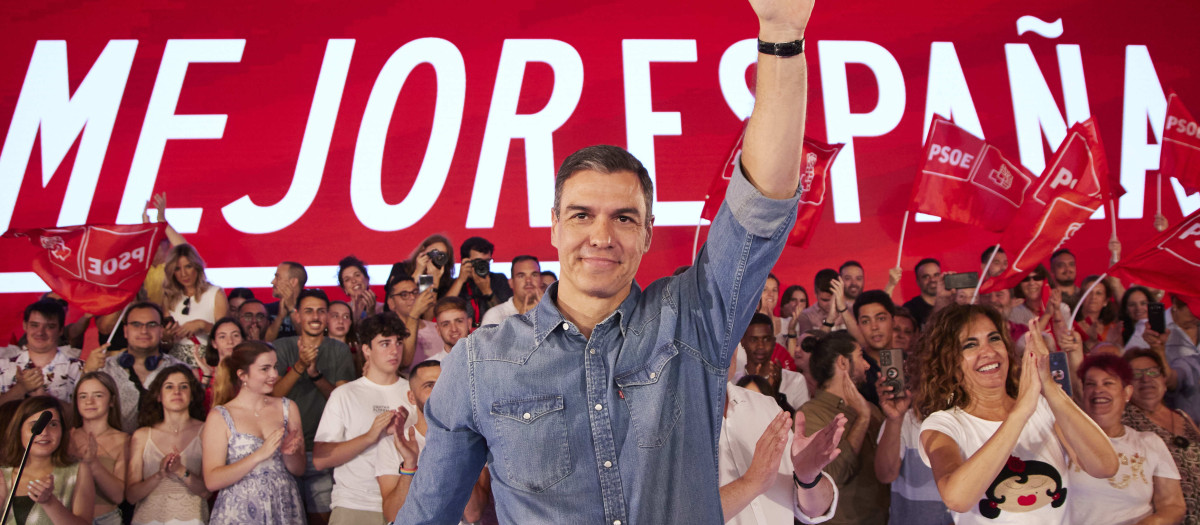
775, 135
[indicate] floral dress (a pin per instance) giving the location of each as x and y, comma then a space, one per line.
1185, 449
267, 494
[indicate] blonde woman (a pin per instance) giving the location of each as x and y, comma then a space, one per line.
191, 303
98, 441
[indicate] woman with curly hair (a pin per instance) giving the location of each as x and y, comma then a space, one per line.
982, 415
165, 479
191, 302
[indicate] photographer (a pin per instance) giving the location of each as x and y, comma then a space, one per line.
431, 258
476, 283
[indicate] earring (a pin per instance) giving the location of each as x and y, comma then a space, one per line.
950, 400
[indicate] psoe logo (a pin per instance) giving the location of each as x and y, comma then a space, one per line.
810, 171
56, 247
1001, 177
1186, 244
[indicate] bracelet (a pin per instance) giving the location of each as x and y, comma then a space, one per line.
827, 324
804, 485
317, 377
841, 310
413, 471
781, 49
791, 336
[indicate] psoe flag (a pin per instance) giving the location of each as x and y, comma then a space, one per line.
1181, 146
816, 160
97, 268
1038, 231
1170, 261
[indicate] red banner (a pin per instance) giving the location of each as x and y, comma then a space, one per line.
1181, 145
1170, 261
967, 180
814, 179
96, 268
1078, 164
1037, 231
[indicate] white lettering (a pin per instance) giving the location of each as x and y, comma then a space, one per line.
732, 75
94, 265
1034, 108
246, 216
504, 124
1143, 103
642, 123
1193, 230
843, 126
46, 104
162, 124
1063, 177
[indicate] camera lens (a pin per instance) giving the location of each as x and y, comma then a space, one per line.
482, 267
438, 258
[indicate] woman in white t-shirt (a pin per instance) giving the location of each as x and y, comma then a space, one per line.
1146, 486
998, 440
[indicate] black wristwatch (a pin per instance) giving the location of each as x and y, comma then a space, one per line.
827, 324
317, 377
781, 49
804, 485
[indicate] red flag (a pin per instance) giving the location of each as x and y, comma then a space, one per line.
1181, 146
1037, 231
967, 180
1170, 261
1079, 164
814, 179
97, 268
716, 188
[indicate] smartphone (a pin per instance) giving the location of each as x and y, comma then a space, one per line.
424, 282
958, 281
1158, 318
1060, 370
891, 368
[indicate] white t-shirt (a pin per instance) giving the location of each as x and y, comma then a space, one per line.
1028, 490
749, 415
498, 313
348, 414
791, 384
388, 460
438, 356
1128, 496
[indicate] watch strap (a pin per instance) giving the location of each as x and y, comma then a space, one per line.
781, 49
803, 485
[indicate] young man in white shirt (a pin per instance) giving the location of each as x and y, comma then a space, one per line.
759, 344
453, 324
41, 367
356, 419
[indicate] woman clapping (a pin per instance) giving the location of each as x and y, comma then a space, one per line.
164, 479
98, 442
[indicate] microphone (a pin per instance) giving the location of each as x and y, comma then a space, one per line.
40, 424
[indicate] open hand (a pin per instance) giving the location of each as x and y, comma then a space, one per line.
41, 491
810, 454
764, 467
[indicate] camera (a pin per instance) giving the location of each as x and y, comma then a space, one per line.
438, 258
482, 267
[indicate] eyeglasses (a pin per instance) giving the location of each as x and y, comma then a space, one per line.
1037, 278
187, 305
152, 325
406, 295
251, 317
1138, 373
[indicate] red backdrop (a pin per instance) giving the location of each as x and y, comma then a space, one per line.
594, 74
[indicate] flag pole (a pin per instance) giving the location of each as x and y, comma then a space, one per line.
1159, 194
986, 268
1112, 213
1084, 297
903, 227
118, 323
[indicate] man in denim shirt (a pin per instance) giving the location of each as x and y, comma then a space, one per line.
603, 404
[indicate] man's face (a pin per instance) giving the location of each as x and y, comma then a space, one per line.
253, 318
1063, 268
42, 332
601, 231
421, 385
902, 333
384, 352
143, 329
759, 343
282, 279
547, 280
313, 314
999, 264
876, 325
928, 277
825, 301
452, 325
852, 282
403, 297
858, 366
353, 281
526, 280
998, 299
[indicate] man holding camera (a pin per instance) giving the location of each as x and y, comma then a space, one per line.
477, 283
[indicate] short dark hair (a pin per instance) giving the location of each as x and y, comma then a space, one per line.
394, 280
351, 261
550, 273
848, 264
1060, 251
242, 293
478, 244
48, 308
607, 160
901, 311
760, 318
424, 364
1038, 271
386, 324
142, 305
824, 277
523, 258
825, 353
879, 297
925, 261
297, 271
312, 292
987, 253
253, 300
792, 290
1134, 353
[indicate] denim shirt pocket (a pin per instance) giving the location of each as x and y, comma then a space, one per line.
534, 423
649, 393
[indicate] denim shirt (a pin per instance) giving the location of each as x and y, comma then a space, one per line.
617, 429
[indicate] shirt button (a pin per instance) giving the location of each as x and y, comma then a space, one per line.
599, 407
593, 351
566, 326
617, 522
653, 375
607, 464
526, 416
